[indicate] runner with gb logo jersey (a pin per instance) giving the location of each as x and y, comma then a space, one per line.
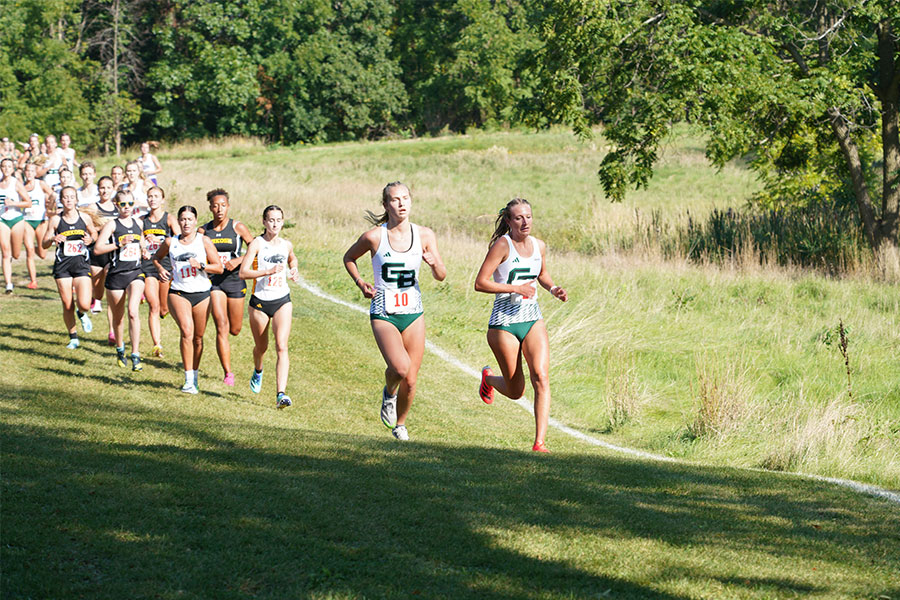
398, 248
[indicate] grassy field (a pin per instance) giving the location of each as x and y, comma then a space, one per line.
115, 485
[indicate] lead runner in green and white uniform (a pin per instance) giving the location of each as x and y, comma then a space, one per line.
513, 267
398, 248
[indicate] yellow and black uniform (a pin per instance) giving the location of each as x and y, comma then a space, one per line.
71, 254
228, 244
101, 260
125, 263
155, 232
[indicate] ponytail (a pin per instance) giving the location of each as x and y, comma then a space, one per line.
501, 225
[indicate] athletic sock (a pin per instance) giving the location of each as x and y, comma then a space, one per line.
79, 313
188, 378
73, 335
194, 376
257, 371
120, 349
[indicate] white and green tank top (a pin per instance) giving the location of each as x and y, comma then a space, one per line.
396, 276
510, 308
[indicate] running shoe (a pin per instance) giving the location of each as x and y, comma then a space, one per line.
256, 382
32, 285
86, 323
400, 433
96, 306
73, 343
136, 363
539, 447
111, 339
9, 288
486, 391
388, 409
120, 358
282, 401
156, 351
189, 388
229, 379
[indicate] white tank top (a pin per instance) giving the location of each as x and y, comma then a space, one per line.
8, 190
510, 307
38, 208
89, 196
396, 275
69, 157
186, 278
147, 164
56, 160
271, 287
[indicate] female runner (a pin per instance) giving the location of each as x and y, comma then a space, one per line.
398, 248
87, 193
266, 260
103, 212
158, 226
228, 289
65, 141
193, 257
117, 174
13, 200
512, 268
49, 171
42, 204
124, 281
32, 153
137, 185
72, 233
149, 163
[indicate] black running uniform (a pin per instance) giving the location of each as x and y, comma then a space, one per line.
125, 261
71, 254
101, 260
161, 230
228, 244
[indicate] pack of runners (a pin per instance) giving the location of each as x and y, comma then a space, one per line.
114, 237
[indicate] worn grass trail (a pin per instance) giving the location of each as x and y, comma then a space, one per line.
116, 485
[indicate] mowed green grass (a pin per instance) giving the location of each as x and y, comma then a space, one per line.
116, 485
661, 330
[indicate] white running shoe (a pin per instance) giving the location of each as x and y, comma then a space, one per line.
86, 323
388, 409
400, 433
189, 388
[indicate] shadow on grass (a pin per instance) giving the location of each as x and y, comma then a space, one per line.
178, 510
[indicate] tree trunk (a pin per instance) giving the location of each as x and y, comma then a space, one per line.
860, 189
115, 74
889, 94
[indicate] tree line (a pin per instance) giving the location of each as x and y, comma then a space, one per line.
116, 71
808, 91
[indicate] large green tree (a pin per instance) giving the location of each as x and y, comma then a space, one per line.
42, 81
809, 89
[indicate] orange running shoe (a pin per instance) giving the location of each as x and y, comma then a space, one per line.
539, 447
32, 285
486, 391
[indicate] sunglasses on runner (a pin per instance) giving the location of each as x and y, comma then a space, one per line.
125, 203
